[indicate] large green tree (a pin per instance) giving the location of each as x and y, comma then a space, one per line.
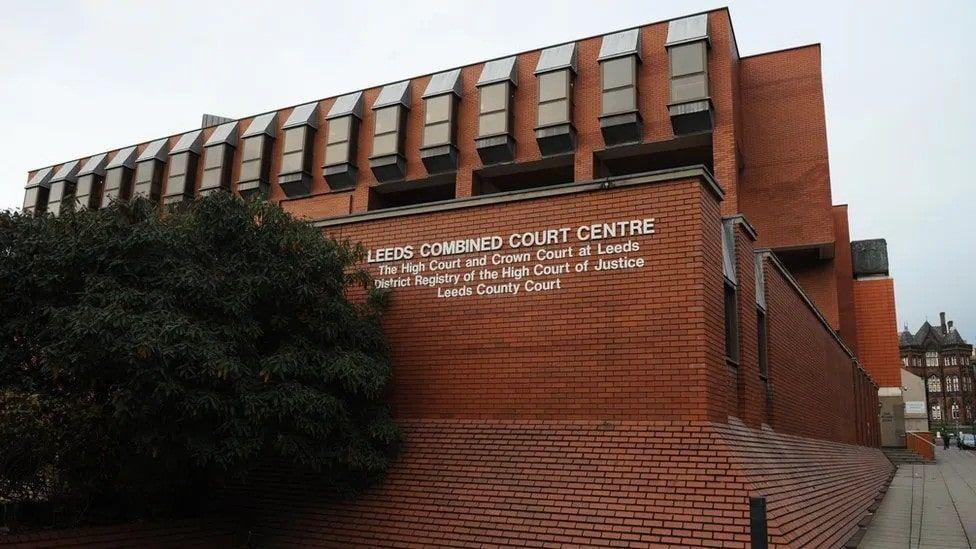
145, 356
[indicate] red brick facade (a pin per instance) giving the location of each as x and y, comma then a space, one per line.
604, 410
877, 332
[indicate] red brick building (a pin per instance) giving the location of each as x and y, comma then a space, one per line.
622, 304
943, 359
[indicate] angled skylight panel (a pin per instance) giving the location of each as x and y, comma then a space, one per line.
499, 70
189, 142
155, 151
445, 82
394, 94
67, 172
224, 134
126, 158
687, 29
557, 58
94, 165
303, 115
264, 124
351, 104
620, 44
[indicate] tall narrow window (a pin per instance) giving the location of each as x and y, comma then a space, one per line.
63, 187
556, 71
341, 140
118, 176
257, 142
496, 92
149, 170
91, 178
731, 302
731, 324
218, 154
687, 44
438, 150
763, 342
620, 120
182, 178
38, 191
386, 159
295, 176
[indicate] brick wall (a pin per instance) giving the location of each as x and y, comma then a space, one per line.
785, 181
599, 347
843, 266
815, 389
877, 332
541, 483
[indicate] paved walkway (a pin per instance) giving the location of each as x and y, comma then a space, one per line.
928, 505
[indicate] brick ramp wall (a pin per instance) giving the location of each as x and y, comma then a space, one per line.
185, 533
816, 491
535, 483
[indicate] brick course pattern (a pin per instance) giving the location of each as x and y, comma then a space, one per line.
468, 483
877, 333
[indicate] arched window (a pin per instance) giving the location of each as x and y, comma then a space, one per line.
904, 360
931, 358
935, 386
936, 412
955, 410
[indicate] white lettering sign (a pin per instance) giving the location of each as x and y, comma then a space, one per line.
509, 265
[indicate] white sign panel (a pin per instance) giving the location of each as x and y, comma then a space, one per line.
914, 407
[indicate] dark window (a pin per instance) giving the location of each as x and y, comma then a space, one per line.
731, 324
763, 337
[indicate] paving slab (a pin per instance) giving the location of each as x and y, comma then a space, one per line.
928, 505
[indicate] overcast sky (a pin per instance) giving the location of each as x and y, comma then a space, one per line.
900, 83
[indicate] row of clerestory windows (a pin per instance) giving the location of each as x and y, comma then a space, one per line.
169, 174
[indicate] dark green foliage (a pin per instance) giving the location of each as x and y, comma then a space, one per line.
145, 357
